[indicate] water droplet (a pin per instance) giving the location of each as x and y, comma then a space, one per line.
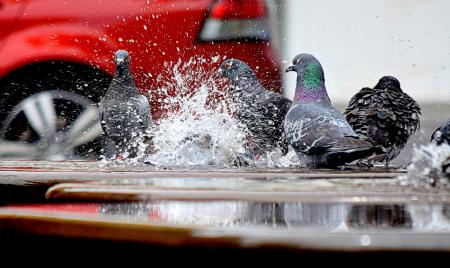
365, 240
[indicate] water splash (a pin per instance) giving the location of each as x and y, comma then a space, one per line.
425, 171
199, 130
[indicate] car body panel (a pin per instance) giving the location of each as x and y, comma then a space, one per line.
155, 32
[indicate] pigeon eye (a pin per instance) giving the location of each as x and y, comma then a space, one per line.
228, 65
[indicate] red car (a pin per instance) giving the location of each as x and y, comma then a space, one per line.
56, 61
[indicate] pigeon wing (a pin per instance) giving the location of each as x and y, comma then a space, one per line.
355, 113
442, 134
144, 112
391, 118
312, 135
319, 130
106, 115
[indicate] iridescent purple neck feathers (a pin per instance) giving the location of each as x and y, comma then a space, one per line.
307, 95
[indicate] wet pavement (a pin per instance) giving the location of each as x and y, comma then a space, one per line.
348, 210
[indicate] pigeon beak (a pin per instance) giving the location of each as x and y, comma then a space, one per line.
290, 69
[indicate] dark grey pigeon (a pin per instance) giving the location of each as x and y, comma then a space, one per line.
442, 134
124, 111
314, 128
446, 167
385, 114
260, 110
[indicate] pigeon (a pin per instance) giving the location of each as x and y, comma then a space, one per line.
384, 114
446, 167
261, 111
124, 112
442, 134
314, 128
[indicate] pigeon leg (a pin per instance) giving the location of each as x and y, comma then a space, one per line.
240, 162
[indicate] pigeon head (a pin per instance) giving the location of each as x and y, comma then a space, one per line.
309, 67
310, 77
388, 82
237, 71
122, 57
122, 62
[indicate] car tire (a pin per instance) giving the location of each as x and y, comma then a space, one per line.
49, 112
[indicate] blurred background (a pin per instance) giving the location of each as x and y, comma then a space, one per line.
359, 41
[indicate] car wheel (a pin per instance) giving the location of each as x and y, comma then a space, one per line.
51, 125
48, 111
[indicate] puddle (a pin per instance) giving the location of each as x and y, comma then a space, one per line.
341, 217
335, 217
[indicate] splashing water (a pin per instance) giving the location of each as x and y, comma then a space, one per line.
200, 129
425, 171
197, 136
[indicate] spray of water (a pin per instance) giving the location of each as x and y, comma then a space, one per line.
199, 128
425, 171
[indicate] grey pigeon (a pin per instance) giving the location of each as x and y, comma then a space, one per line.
446, 167
385, 114
314, 128
260, 110
124, 112
442, 134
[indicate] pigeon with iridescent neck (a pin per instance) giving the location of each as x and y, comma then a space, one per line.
314, 128
124, 111
385, 114
261, 111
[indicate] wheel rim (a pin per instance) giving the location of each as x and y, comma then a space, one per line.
57, 131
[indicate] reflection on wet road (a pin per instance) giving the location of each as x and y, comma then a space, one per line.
340, 217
